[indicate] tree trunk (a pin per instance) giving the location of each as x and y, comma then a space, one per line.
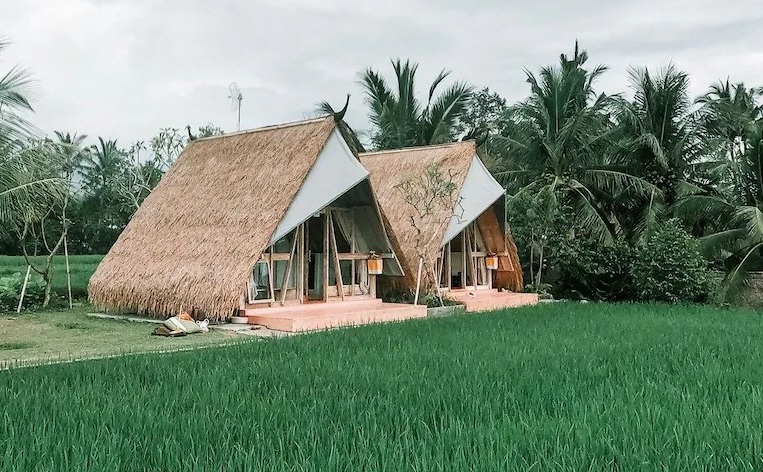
48, 279
532, 257
540, 268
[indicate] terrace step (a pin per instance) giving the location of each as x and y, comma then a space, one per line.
485, 300
319, 316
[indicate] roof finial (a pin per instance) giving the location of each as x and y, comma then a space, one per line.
190, 136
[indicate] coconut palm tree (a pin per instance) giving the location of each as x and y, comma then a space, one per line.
22, 185
732, 217
556, 144
662, 141
399, 118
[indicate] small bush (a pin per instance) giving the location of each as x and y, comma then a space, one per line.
10, 291
670, 267
593, 271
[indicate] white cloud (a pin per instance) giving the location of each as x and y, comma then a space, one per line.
124, 68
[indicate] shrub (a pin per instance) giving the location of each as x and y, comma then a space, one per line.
670, 267
10, 291
589, 270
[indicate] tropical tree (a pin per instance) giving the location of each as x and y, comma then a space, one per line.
484, 113
399, 118
556, 145
731, 218
46, 228
663, 142
21, 186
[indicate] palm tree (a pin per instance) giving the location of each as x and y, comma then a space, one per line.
732, 217
22, 187
103, 164
399, 118
555, 147
663, 142
728, 109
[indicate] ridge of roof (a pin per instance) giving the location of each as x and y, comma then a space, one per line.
266, 128
417, 148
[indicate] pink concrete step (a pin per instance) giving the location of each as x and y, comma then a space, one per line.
318, 316
485, 300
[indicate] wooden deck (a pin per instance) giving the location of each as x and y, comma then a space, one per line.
319, 316
484, 300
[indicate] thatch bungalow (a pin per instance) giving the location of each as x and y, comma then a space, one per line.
248, 222
467, 242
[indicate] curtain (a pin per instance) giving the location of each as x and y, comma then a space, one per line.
345, 220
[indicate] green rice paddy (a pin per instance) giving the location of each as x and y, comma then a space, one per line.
80, 267
554, 387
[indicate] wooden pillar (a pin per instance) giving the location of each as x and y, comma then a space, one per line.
301, 263
287, 274
450, 268
463, 259
372, 285
472, 263
326, 254
270, 275
353, 249
337, 268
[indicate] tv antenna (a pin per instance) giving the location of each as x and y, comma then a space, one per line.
235, 102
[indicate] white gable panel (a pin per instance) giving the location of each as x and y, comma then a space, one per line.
479, 192
335, 172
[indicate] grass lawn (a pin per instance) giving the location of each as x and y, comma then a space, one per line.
554, 387
34, 337
80, 267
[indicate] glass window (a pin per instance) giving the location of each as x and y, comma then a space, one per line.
260, 282
280, 272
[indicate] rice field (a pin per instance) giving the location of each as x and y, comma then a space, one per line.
554, 387
81, 268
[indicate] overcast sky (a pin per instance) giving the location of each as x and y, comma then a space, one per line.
124, 68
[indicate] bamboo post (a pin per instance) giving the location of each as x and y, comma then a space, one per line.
68, 273
450, 268
418, 281
337, 268
326, 255
442, 267
23, 288
353, 248
302, 252
270, 275
463, 259
472, 263
287, 274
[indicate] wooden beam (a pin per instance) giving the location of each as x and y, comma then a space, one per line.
276, 256
285, 281
337, 268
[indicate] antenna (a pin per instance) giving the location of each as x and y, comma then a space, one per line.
235, 102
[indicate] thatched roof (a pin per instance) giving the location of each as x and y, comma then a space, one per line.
389, 168
194, 241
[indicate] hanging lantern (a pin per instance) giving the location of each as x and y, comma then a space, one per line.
491, 261
375, 264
